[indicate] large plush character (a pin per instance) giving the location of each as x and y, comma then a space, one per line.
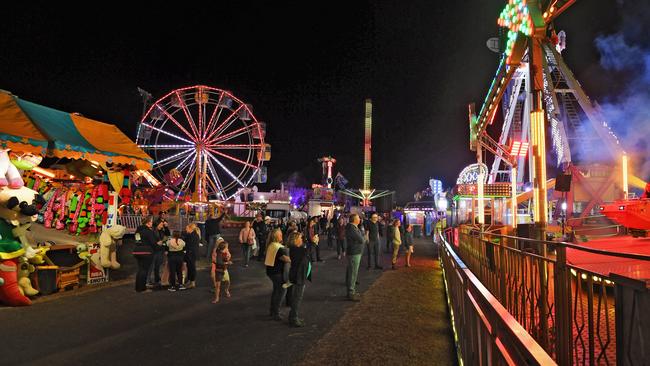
10, 291
108, 246
9, 175
18, 207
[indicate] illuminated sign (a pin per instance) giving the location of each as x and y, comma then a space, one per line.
469, 175
489, 190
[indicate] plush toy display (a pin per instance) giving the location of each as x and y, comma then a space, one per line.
18, 207
108, 246
10, 293
9, 175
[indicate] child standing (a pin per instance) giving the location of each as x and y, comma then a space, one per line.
220, 262
175, 256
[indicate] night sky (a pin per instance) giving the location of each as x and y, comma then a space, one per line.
306, 67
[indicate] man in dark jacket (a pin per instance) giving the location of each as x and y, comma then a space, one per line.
213, 231
373, 241
261, 232
300, 272
355, 242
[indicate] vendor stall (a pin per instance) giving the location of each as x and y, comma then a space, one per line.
84, 171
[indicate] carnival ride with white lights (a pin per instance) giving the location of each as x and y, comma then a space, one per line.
206, 143
539, 95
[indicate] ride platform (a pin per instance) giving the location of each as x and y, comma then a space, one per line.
604, 264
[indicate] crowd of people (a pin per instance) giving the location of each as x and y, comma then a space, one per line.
288, 250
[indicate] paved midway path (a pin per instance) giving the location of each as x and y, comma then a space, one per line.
401, 320
116, 326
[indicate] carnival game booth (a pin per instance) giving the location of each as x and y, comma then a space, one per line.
67, 172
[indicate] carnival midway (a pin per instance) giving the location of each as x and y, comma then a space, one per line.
540, 245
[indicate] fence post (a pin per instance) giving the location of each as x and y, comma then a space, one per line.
632, 321
563, 320
502, 274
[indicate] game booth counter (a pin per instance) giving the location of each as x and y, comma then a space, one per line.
62, 177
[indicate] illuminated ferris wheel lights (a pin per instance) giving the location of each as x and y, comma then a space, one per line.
159, 162
166, 133
227, 170
166, 146
189, 130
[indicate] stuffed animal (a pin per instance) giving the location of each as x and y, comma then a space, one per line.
10, 292
9, 175
24, 283
108, 246
83, 253
18, 207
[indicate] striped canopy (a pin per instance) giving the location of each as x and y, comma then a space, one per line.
32, 128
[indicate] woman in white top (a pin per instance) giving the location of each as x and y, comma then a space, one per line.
247, 239
175, 257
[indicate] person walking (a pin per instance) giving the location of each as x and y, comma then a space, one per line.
396, 239
408, 243
175, 257
191, 236
274, 261
373, 241
300, 272
143, 253
340, 238
246, 239
355, 242
261, 232
313, 239
221, 259
213, 231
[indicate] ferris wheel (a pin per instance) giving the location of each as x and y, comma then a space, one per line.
203, 140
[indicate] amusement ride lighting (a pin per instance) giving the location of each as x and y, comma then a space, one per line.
519, 149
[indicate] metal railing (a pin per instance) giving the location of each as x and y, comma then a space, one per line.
568, 310
484, 331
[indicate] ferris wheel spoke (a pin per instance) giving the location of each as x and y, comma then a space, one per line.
225, 124
176, 122
171, 159
221, 191
231, 135
188, 115
232, 158
166, 147
190, 175
235, 146
183, 164
227, 170
215, 113
167, 133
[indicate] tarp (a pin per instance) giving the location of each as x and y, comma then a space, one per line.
30, 127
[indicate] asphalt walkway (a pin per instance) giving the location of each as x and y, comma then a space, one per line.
116, 326
402, 319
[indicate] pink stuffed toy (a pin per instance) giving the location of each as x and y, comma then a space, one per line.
9, 175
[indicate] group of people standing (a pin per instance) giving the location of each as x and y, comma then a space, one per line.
288, 262
161, 253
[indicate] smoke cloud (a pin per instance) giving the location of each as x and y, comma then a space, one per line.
627, 54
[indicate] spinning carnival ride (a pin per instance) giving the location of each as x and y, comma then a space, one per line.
208, 139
